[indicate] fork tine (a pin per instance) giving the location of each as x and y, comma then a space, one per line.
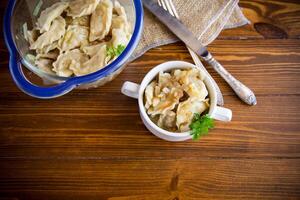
163, 4
171, 7
168, 8
159, 2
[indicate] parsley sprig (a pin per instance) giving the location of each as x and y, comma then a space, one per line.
115, 51
200, 125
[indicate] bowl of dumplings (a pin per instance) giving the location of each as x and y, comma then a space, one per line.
169, 97
56, 46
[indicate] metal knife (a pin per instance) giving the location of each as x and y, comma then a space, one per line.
182, 32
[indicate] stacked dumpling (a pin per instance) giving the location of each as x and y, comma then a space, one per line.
172, 99
79, 37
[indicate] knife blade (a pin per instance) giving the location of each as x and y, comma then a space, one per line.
176, 26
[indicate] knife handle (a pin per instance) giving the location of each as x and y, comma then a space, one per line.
243, 92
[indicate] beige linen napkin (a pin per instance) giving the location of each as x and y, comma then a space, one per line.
205, 18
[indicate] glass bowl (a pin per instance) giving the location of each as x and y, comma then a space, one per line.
19, 12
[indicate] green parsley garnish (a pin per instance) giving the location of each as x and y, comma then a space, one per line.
200, 125
115, 51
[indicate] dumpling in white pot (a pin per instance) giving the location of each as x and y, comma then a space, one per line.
186, 111
169, 103
167, 120
97, 62
56, 31
93, 50
149, 94
65, 62
78, 8
101, 20
48, 15
196, 90
74, 37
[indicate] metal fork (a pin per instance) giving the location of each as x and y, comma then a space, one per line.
169, 6
244, 93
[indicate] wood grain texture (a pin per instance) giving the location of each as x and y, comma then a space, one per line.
269, 19
91, 144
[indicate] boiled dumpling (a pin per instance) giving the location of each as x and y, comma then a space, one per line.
66, 62
167, 120
32, 36
196, 90
48, 48
80, 21
74, 37
149, 94
48, 15
120, 27
186, 77
119, 37
120, 21
50, 55
44, 64
92, 50
78, 8
186, 111
56, 31
169, 103
101, 20
97, 62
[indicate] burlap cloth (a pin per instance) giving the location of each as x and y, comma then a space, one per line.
205, 18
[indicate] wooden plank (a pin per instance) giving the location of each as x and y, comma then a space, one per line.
98, 129
269, 19
160, 179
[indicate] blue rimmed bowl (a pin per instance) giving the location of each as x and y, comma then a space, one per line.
19, 12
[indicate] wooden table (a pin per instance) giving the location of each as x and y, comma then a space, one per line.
93, 145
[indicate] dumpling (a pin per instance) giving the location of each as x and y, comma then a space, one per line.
92, 50
45, 65
101, 20
120, 20
67, 61
80, 21
32, 36
50, 55
119, 9
186, 77
167, 120
74, 37
196, 90
119, 37
186, 111
48, 48
48, 15
149, 94
56, 31
97, 62
78, 8
192, 83
169, 103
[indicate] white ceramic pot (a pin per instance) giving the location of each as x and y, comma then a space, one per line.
137, 91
